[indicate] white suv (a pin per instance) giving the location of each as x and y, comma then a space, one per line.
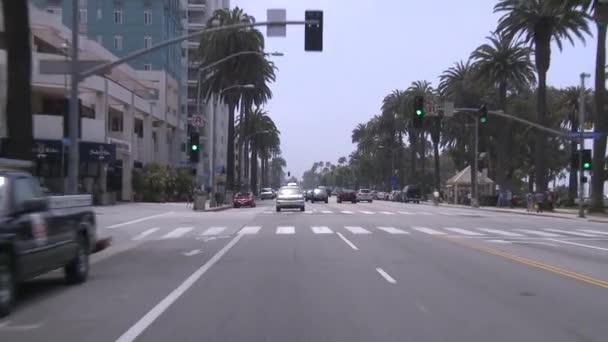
365, 195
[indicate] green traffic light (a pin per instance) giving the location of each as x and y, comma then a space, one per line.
418, 112
483, 120
586, 165
194, 147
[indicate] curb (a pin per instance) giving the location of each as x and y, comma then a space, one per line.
514, 212
222, 208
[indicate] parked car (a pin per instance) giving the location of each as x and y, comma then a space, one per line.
290, 197
395, 196
308, 195
347, 196
244, 199
411, 193
267, 193
364, 195
320, 194
374, 194
381, 196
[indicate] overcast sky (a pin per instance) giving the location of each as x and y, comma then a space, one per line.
371, 48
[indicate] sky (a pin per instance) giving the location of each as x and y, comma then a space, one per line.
371, 48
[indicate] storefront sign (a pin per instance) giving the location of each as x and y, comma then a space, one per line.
47, 148
91, 152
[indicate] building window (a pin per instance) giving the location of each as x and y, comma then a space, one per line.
118, 42
118, 16
147, 42
147, 67
148, 17
99, 39
82, 16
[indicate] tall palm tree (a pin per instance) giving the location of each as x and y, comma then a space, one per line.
417, 136
244, 69
259, 121
277, 164
505, 63
540, 22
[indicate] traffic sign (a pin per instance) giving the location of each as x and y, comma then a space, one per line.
586, 135
197, 121
394, 181
431, 106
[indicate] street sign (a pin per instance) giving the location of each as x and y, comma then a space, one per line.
276, 30
394, 181
431, 106
448, 109
197, 121
586, 135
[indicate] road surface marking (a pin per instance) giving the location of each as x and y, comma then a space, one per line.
387, 213
499, 241
213, 231
463, 231
367, 212
499, 232
357, 230
428, 231
177, 232
152, 315
268, 212
539, 233
580, 245
352, 245
144, 234
321, 230
386, 276
308, 212
392, 230
286, 230
447, 214
406, 213
423, 213
192, 252
594, 231
347, 212
327, 212
139, 220
569, 232
250, 230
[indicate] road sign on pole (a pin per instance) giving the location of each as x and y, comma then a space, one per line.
394, 181
431, 106
197, 121
586, 135
276, 30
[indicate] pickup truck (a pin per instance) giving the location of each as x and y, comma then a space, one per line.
39, 234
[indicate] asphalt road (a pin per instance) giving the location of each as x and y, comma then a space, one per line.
376, 271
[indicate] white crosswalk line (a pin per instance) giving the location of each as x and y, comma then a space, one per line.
594, 231
308, 212
250, 230
366, 212
346, 212
538, 233
569, 232
500, 232
392, 230
357, 230
177, 232
144, 234
463, 231
286, 230
428, 231
327, 212
423, 213
406, 213
213, 231
387, 213
321, 230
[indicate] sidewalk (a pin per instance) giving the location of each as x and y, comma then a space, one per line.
571, 214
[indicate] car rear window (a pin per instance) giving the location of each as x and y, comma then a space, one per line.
364, 191
290, 191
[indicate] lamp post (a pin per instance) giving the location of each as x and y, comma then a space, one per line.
581, 142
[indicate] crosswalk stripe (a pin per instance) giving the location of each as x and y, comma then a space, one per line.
387, 213
321, 230
144, 234
539, 233
499, 232
594, 231
423, 213
366, 212
308, 212
392, 230
569, 232
286, 230
346, 212
213, 231
327, 212
357, 230
177, 232
406, 213
428, 231
463, 231
250, 230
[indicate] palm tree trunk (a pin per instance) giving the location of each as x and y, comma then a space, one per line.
18, 102
423, 160
254, 170
436, 157
601, 123
413, 145
543, 60
573, 180
502, 147
230, 149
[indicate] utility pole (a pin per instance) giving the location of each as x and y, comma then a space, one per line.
581, 141
73, 118
474, 181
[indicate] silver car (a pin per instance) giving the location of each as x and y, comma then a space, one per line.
365, 195
290, 197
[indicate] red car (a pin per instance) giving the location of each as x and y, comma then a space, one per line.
347, 196
244, 199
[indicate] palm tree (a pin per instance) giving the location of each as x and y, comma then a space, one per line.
244, 69
342, 161
505, 63
417, 88
540, 22
259, 121
277, 164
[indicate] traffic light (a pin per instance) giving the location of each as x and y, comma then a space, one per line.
483, 114
418, 111
194, 147
587, 160
587, 165
313, 33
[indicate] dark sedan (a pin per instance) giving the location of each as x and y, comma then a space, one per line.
347, 196
319, 194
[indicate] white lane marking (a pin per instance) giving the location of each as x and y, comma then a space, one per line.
366, 212
357, 230
177, 232
386, 276
569, 232
250, 230
352, 245
392, 230
406, 213
463, 231
346, 212
447, 214
152, 315
428, 231
308, 212
539, 233
321, 230
139, 220
144, 234
423, 213
580, 245
327, 212
594, 231
213, 231
286, 230
499, 241
387, 213
499, 232
192, 252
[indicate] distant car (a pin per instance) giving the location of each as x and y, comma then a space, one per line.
320, 194
347, 196
411, 193
364, 195
290, 197
244, 199
267, 193
381, 196
292, 184
374, 194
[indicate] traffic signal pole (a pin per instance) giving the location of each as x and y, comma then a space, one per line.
474, 181
581, 141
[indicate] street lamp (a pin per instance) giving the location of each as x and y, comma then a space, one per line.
242, 150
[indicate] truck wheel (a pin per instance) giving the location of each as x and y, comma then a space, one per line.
7, 286
77, 271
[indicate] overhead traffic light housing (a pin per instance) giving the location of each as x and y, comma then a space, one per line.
418, 111
587, 160
313, 33
483, 114
194, 147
